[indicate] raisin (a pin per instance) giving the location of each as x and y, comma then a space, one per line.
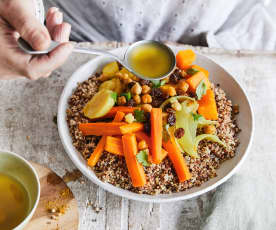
156, 92
147, 127
147, 116
144, 82
129, 85
131, 102
171, 119
175, 76
157, 97
179, 133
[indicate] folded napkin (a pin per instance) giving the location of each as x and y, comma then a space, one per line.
255, 31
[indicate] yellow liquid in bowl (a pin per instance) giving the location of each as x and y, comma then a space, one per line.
14, 202
150, 60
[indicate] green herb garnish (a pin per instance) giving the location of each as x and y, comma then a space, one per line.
139, 115
114, 96
127, 95
196, 116
142, 157
191, 71
201, 89
158, 83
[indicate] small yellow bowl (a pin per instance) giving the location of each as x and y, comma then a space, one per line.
18, 168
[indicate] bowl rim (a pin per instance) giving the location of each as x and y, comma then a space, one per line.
62, 127
37, 199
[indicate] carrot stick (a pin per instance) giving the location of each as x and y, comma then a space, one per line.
143, 136
135, 169
194, 81
114, 145
101, 128
131, 128
156, 135
207, 106
199, 68
124, 109
119, 116
98, 151
185, 58
178, 160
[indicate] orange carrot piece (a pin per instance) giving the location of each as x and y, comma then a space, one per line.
124, 109
98, 151
194, 81
178, 160
156, 135
199, 68
135, 169
131, 128
143, 136
119, 116
101, 128
185, 58
207, 106
114, 145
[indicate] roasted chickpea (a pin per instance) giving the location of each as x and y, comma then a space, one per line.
183, 86
136, 89
210, 129
121, 100
176, 106
146, 107
127, 81
142, 145
171, 91
145, 89
137, 99
146, 98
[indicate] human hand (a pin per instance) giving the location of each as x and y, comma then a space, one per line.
17, 18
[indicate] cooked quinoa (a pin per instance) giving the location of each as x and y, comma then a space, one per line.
161, 178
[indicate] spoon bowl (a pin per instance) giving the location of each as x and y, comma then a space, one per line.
125, 61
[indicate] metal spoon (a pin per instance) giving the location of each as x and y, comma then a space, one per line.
124, 61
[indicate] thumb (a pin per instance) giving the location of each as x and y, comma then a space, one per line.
26, 24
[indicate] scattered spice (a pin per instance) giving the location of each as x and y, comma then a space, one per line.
65, 193
72, 176
53, 179
236, 109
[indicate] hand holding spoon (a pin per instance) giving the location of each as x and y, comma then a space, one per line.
149, 60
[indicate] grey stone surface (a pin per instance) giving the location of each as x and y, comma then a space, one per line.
27, 109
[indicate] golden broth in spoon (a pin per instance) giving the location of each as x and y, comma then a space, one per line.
150, 60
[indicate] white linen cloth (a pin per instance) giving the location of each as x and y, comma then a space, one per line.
235, 24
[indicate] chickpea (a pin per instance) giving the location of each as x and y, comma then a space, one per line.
119, 75
176, 106
136, 89
183, 86
146, 98
183, 74
210, 129
171, 91
137, 99
142, 145
121, 100
145, 89
127, 81
146, 107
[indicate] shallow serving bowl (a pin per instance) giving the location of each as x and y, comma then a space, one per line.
18, 168
233, 90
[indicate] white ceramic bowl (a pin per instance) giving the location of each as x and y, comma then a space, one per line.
217, 75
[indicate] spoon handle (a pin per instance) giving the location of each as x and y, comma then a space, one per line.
95, 51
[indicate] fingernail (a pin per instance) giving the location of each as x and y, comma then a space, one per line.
58, 18
51, 11
54, 9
